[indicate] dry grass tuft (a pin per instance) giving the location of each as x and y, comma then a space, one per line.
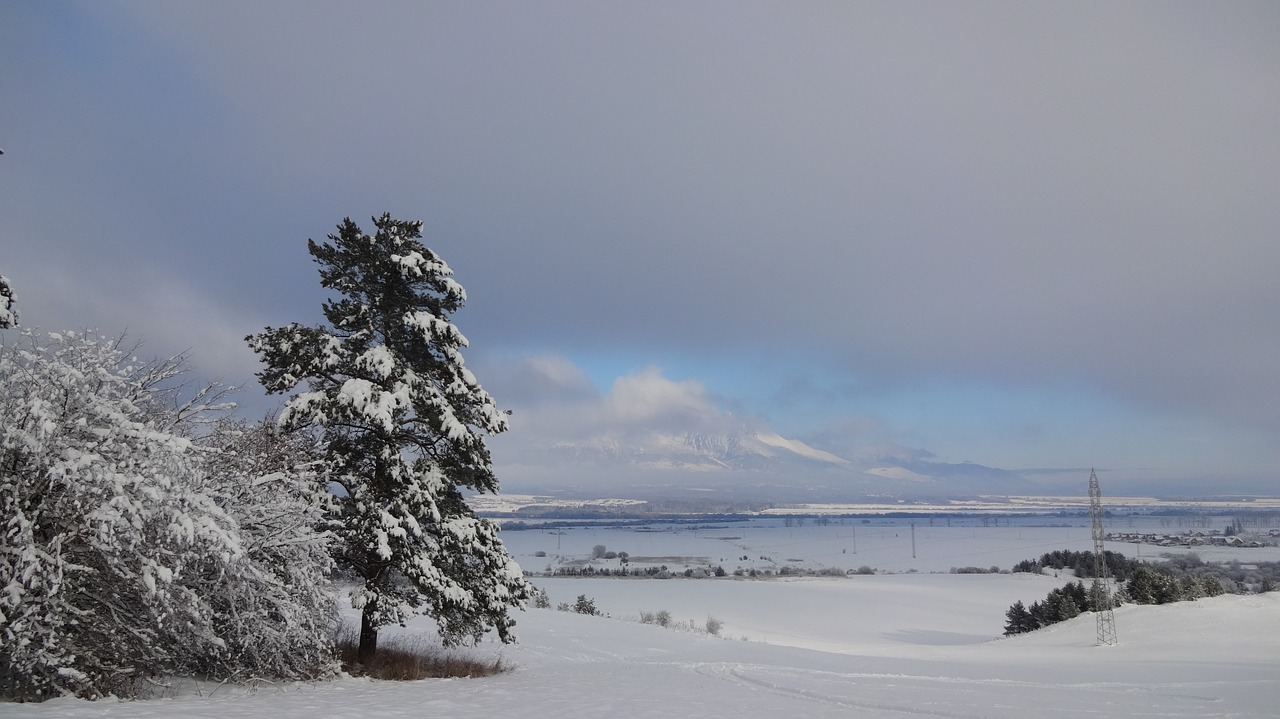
405, 658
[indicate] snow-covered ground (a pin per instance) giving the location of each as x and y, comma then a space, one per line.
888, 645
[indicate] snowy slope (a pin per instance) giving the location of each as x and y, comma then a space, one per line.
909, 646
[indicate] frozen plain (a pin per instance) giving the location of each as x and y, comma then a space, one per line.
895, 644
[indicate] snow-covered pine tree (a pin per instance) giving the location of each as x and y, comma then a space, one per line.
1018, 620
404, 424
8, 313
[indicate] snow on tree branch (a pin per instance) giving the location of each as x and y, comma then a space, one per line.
8, 312
403, 422
130, 544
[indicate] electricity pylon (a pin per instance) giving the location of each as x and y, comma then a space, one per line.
1101, 590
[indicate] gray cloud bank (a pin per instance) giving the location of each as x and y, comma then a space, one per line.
1024, 195
650, 436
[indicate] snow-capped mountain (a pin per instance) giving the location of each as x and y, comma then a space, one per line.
763, 462
702, 452
913, 475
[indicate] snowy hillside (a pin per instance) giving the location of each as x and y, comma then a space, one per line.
897, 646
911, 640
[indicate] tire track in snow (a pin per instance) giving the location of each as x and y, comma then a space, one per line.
735, 673
963, 697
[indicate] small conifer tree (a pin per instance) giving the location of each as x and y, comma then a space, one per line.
1019, 620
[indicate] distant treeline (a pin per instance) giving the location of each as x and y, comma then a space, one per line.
1082, 563
577, 519
1180, 578
663, 572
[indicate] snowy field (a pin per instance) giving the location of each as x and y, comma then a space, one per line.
895, 644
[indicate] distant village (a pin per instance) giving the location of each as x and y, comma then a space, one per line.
1196, 538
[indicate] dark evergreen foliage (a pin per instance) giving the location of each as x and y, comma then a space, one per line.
403, 424
1180, 578
1061, 604
1118, 566
585, 605
1019, 620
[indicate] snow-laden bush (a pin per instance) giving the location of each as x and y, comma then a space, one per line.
102, 534
137, 541
713, 626
8, 313
273, 606
586, 605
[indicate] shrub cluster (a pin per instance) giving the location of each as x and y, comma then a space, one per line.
593, 571
713, 626
144, 536
662, 618
975, 570
1162, 585
1061, 604
583, 605
1082, 563
145, 532
1232, 576
1181, 578
663, 572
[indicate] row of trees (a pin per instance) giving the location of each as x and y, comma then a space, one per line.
147, 531
1156, 585
1140, 584
1065, 602
1080, 562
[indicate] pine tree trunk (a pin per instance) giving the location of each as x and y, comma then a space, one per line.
368, 636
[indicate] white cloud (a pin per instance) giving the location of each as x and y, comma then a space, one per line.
554, 408
648, 399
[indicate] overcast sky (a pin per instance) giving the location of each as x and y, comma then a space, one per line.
1027, 235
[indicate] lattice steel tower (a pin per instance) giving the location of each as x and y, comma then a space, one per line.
1100, 592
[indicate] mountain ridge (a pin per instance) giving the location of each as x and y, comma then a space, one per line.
759, 457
